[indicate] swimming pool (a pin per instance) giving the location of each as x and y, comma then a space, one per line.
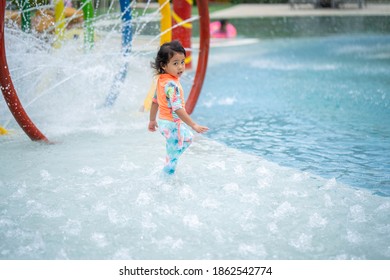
319, 104
96, 193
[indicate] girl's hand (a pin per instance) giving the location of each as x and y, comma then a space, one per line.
188, 121
200, 128
152, 126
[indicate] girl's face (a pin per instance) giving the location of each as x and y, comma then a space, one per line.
176, 65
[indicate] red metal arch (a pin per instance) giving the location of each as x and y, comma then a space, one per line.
204, 46
9, 92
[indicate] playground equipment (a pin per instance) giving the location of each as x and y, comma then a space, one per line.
60, 20
89, 38
3, 131
126, 48
26, 16
165, 22
181, 12
10, 94
204, 47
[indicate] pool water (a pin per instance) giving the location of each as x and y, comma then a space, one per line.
277, 177
321, 105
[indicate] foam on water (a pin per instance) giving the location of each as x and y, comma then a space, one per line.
100, 196
98, 192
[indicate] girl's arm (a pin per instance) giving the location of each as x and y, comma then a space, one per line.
152, 118
187, 119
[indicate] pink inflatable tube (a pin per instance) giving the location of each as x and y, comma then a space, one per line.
216, 32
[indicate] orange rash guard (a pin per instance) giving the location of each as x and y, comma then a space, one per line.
169, 96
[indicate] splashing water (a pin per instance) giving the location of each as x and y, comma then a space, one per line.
97, 193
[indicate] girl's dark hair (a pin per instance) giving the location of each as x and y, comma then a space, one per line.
165, 53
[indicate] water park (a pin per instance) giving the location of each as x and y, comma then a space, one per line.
295, 165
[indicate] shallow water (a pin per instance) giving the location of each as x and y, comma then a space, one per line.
321, 105
97, 193
98, 196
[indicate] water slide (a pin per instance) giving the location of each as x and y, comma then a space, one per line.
11, 96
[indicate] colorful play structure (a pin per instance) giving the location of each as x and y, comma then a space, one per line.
175, 24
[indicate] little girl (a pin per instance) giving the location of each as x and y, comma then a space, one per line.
169, 100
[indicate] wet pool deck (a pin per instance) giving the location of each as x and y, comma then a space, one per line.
284, 10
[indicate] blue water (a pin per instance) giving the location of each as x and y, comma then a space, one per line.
321, 105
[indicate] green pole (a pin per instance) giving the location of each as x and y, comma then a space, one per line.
26, 15
88, 25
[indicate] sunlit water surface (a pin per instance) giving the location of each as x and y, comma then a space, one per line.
97, 192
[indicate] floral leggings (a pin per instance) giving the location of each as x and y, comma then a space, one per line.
179, 138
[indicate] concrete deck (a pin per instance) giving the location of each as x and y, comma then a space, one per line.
285, 10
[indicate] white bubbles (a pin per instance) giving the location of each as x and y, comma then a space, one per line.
171, 243
211, 203
217, 165
251, 198
192, 221
144, 198
353, 237
147, 222
317, 221
87, 170
302, 243
328, 200
283, 210
254, 250
128, 166
72, 227
357, 214
273, 227
330, 184
231, 187
239, 170
45, 175
99, 239
187, 193
122, 254
384, 207
106, 181
117, 218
